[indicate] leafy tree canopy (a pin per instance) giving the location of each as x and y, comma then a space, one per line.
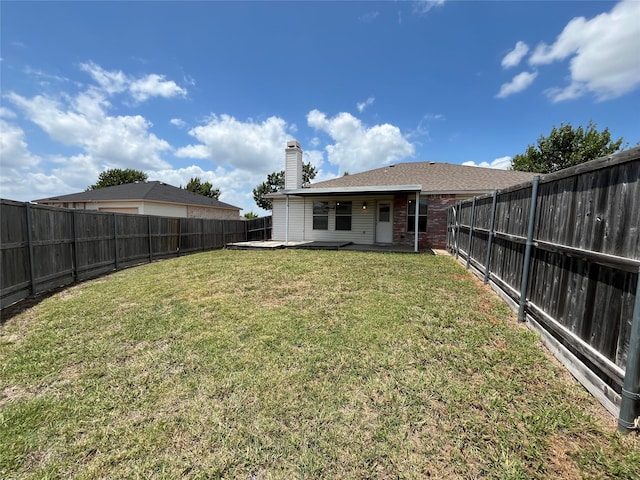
275, 182
565, 147
195, 185
118, 176
250, 215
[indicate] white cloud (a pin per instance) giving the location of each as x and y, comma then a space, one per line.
519, 83
141, 89
68, 175
603, 50
357, 147
513, 58
155, 86
369, 17
110, 82
178, 122
113, 141
14, 150
422, 130
502, 163
230, 182
249, 146
7, 113
15, 185
81, 121
422, 7
368, 102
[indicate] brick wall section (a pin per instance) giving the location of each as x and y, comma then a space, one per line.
213, 213
437, 219
400, 234
436, 234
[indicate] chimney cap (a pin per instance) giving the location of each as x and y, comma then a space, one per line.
293, 144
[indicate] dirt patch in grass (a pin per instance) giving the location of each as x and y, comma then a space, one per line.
561, 465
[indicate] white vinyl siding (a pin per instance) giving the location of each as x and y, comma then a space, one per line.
163, 209
296, 219
362, 221
115, 206
133, 210
278, 212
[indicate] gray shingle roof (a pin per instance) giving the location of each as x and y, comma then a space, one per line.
151, 191
433, 176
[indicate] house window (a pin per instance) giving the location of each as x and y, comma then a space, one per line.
422, 216
320, 215
343, 215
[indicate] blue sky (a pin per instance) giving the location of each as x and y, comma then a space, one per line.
215, 89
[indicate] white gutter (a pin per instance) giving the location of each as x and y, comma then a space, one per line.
415, 240
349, 190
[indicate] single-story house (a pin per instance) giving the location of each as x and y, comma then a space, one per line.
146, 198
402, 204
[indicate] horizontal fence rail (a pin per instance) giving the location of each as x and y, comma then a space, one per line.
564, 251
42, 247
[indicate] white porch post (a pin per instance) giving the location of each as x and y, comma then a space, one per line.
286, 223
415, 242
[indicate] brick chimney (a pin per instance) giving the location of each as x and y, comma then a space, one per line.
293, 166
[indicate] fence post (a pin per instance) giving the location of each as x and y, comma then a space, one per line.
458, 229
473, 217
150, 241
74, 245
223, 223
629, 417
490, 240
202, 234
32, 268
115, 239
524, 285
179, 236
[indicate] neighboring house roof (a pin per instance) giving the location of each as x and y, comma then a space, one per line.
150, 191
432, 176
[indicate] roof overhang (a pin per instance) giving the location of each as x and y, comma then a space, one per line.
365, 190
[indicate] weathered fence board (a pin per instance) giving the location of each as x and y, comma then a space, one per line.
14, 252
43, 247
584, 265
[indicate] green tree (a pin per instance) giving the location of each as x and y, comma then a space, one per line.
250, 215
118, 176
275, 182
195, 185
565, 147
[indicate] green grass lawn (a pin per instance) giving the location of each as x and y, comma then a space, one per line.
293, 364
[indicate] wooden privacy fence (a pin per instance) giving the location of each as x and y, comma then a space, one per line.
564, 250
42, 247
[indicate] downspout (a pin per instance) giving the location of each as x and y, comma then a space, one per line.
415, 227
629, 417
286, 223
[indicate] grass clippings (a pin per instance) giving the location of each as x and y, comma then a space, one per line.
293, 364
